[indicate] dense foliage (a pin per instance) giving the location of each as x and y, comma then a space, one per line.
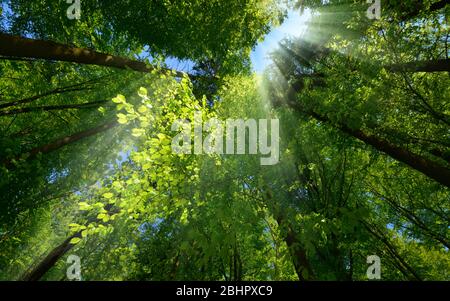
87, 166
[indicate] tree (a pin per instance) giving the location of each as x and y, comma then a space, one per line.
298, 59
14, 46
358, 118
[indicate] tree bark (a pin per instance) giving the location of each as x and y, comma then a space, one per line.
74, 88
392, 250
413, 218
61, 142
19, 47
424, 165
59, 251
79, 106
49, 261
302, 267
418, 8
441, 65
301, 263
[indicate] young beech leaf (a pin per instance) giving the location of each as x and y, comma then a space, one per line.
75, 240
108, 195
137, 132
142, 92
84, 206
142, 109
122, 118
101, 216
119, 99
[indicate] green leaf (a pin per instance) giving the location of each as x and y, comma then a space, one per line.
75, 240
122, 118
108, 195
142, 92
137, 132
84, 206
184, 216
119, 99
142, 109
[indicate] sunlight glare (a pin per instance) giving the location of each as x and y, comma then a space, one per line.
294, 25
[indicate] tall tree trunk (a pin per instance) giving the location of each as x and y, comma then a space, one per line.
16, 46
441, 65
392, 250
424, 165
61, 142
37, 272
313, 55
413, 218
71, 88
49, 261
301, 263
418, 7
80, 106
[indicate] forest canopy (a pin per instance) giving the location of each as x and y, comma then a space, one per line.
355, 109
